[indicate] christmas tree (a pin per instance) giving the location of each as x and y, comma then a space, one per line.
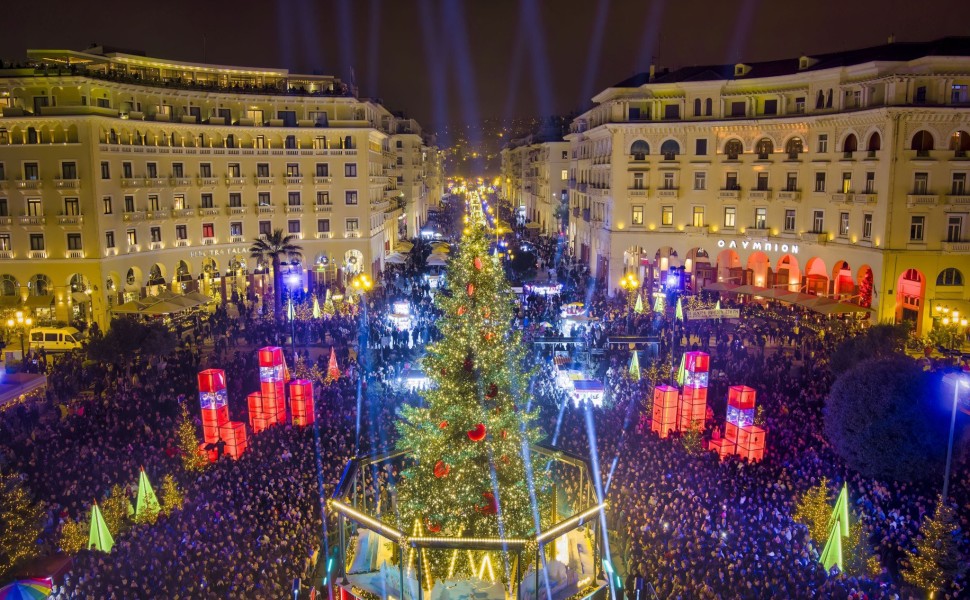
679, 311
99, 538
333, 372
814, 511
172, 498
193, 459
116, 510
147, 507
635, 367
638, 307
936, 560
20, 523
468, 477
74, 536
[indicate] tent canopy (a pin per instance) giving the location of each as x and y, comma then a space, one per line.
395, 258
165, 303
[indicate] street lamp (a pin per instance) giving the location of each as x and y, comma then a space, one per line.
21, 323
361, 284
957, 380
630, 284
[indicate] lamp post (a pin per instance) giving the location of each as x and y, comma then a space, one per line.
958, 380
630, 284
361, 285
20, 323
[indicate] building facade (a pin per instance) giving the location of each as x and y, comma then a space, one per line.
121, 174
535, 175
833, 175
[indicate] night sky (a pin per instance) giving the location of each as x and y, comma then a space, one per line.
454, 62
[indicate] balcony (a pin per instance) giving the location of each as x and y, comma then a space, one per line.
637, 192
209, 211
235, 181
155, 246
816, 237
183, 212
69, 220
235, 210
956, 247
6, 254
265, 180
294, 180
323, 208
156, 182
181, 243
866, 198
954, 201
729, 194
236, 239
759, 195
67, 184
134, 182
352, 234
137, 215
841, 198
914, 200
37, 254
322, 180
6, 221
697, 229
180, 181
208, 241
668, 193
294, 208
265, 210
790, 195
324, 235
29, 184
25, 220
208, 181
111, 252
157, 215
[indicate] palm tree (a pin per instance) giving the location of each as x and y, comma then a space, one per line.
273, 247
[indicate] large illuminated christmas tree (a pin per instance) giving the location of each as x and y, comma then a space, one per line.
469, 476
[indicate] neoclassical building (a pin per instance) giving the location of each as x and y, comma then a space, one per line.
535, 176
818, 174
121, 174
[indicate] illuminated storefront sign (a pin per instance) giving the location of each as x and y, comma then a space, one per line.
764, 246
219, 251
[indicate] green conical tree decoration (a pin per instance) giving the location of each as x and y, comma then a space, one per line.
147, 506
682, 371
658, 304
679, 312
638, 307
99, 538
832, 553
718, 305
840, 514
635, 367
316, 308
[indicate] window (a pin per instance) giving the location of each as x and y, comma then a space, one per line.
31, 171
958, 186
105, 170
698, 217
916, 224
708, 107
671, 111
771, 107
235, 200
637, 217
920, 97
761, 218
959, 94
800, 104
950, 276
323, 170
235, 229
350, 170
639, 150
320, 142
181, 232
234, 170
670, 149
208, 230
790, 219
867, 226
293, 226
205, 170
954, 228
74, 241
846, 182
323, 198
263, 199
731, 180
34, 208
921, 183
823, 143
764, 148
638, 181
152, 170
870, 182
293, 198
72, 207
730, 214
667, 216
762, 184
5, 242
109, 239
3, 170
129, 204
207, 201
668, 183
262, 170
564, 174
156, 234
323, 225
126, 170
290, 141
259, 141
178, 171
700, 180
791, 182
818, 221
352, 225
700, 147
843, 224
820, 182
738, 109
292, 170
132, 235
265, 228
153, 203
178, 202
733, 149
350, 198
793, 148
4, 208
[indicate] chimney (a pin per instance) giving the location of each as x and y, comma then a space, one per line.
892, 38
653, 70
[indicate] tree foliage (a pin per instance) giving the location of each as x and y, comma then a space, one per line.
275, 247
20, 524
815, 512
878, 341
172, 497
882, 419
193, 459
128, 337
74, 535
936, 560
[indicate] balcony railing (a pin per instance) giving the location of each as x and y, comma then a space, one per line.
865, 198
25, 220
134, 182
294, 208
29, 184
841, 198
208, 241
352, 234
181, 243
323, 208
790, 195
235, 181
183, 212
236, 210
324, 235
209, 211
267, 209
914, 200
956, 247
208, 181
294, 180
759, 195
69, 220
156, 182
67, 184
817, 237
180, 181
697, 229
156, 215
6, 254
37, 254
668, 192
962, 200
6, 221
265, 180
155, 245
729, 194
322, 180
236, 239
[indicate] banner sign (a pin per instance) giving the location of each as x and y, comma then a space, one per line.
713, 313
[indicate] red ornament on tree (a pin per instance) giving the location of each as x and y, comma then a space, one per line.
461, 310
492, 391
443, 425
478, 263
487, 312
469, 365
505, 434
471, 289
489, 336
491, 505
441, 469
477, 434
505, 459
431, 525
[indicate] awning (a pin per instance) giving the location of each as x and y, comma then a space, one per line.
199, 297
404, 246
39, 301
532, 225
436, 260
80, 297
395, 258
841, 308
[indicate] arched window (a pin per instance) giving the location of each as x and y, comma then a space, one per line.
78, 283
922, 142
733, 148
155, 275
697, 107
9, 286
764, 148
182, 271
670, 149
950, 276
41, 285
849, 145
639, 150
874, 144
708, 107
130, 277
794, 147
960, 143
828, 99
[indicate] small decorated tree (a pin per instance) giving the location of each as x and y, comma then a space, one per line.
936, 560
634, 367
117, 510
172, 497
333, 372
74, 535
193, 459
814, 511
20, 524
692, 437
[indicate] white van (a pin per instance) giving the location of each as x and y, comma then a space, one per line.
55, 339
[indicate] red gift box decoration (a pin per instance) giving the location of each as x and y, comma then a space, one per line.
270, 356
301, 402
